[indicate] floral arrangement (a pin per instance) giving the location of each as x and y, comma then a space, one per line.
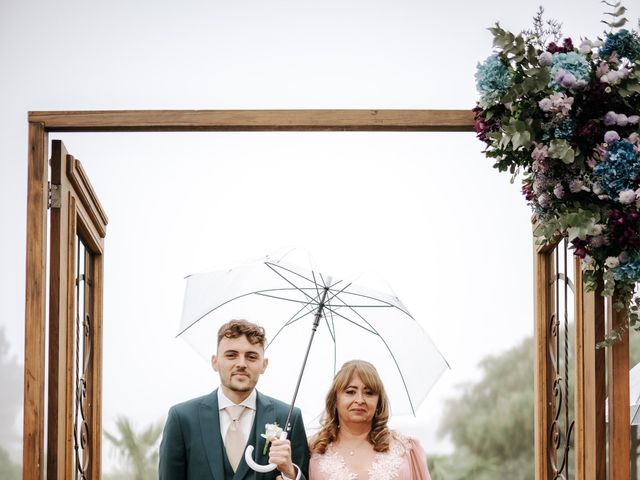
565, 117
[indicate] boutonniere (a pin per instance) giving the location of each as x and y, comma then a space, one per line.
271, 430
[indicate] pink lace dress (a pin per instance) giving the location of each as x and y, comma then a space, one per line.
405, 460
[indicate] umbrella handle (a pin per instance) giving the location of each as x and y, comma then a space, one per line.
248, 457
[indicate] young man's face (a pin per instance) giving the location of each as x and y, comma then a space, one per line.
239, 364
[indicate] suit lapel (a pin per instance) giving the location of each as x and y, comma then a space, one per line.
211, 437
264, 415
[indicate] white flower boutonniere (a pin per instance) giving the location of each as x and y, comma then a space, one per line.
271, 431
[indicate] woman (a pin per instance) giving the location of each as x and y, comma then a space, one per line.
354, 441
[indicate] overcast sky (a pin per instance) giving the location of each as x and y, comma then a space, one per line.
426, 211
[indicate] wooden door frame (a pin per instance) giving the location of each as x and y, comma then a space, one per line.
589, 308
41, 123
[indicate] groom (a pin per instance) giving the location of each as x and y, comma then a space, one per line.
205, 438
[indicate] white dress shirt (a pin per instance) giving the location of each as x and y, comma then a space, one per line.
246, 420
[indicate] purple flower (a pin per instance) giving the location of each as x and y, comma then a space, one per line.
565, 78
580, 252
558, 190
610, 118
597, 241
602, 69
575, 185
545, 59
611, 137
538, 184
540, 152
545, 104
544, 200
528, 193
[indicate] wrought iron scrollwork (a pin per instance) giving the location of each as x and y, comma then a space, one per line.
83, 358
561, 426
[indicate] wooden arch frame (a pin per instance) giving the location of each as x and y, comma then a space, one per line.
41, 123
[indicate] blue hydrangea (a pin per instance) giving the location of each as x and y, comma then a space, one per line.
565, 129
627, 272
570, 62
492, 80
619, 169
627, 45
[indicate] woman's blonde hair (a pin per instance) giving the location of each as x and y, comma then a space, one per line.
379, 435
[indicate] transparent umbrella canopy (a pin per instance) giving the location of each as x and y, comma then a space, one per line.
634, 394
314, 323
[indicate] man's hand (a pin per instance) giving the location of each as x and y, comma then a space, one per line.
280, 455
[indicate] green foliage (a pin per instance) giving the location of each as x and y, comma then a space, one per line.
543, 31
577, 220
617, 19
11, 373
491, 423
540, 114
138, 450
8, 469
562, 150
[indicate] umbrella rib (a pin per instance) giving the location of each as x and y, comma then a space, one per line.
294, 318
271, 266
276, 297
212, 310
389, 304
354, 305
384, 302
257, 292
333, 333
332, 310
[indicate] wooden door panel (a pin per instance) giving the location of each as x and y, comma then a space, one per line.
78, 228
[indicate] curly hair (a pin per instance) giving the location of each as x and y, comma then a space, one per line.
379, 435
236, 328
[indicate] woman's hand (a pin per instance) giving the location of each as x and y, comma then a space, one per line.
280, 455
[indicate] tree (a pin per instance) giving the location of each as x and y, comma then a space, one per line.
138, 450
8, 469
491, 423
11, 373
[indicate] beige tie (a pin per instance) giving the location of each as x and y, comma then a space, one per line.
234, 440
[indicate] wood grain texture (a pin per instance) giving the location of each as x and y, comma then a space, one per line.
590, 387
35, 297
255, 120
58, 364
97, 311
619, 411
543, 301
87, 195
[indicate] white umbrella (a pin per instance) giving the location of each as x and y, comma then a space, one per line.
343, 320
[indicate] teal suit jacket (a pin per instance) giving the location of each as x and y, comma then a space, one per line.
192, 447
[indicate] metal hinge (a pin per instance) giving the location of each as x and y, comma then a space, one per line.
55, 197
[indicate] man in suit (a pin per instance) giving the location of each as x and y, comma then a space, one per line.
204, 438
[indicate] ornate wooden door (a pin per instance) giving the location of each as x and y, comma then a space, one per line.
77, 231
577, 442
